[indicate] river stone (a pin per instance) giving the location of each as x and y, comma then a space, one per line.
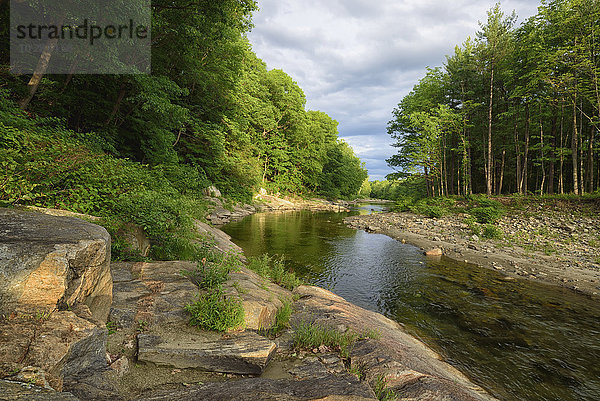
330, 388
13, 391
409, 365
260, 298
436, 252
64, 346
212, 191
239, 353
49, 261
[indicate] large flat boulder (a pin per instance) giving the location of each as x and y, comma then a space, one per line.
151, 297
62, 345
329, 388
53, 261
412, 369
239, 353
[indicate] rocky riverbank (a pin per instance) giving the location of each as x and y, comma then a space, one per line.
66, 338
223, 213
542, 242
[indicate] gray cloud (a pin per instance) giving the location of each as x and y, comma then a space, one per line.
356, 59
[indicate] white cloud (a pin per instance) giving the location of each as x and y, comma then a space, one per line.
356, 59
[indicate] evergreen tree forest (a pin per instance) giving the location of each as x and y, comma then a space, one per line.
516, 109
211, 113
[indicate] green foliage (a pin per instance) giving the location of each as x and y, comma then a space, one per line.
381, 391
274, 269
483, 201
310, 335
399, 189
42, 167
210, 113
359, 371
282, 318
474, 227
429, 210
487, 214
211, 275
506, 110
215, 311
492, 232
402, 205
111, 327
432, 207
343, 173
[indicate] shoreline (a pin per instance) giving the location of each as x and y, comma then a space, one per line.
514, 262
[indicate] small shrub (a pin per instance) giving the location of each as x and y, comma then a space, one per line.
358, 370
486, 214
260, 264
433, 207
282, 318
274, 269
483, 201
382, 392
214, 311
402, 205
210, 275
111, 327
428, 210
492, 232
474, 227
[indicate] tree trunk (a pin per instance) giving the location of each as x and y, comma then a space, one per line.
465, 162
42, 66
117, 105
470, 171
524, 183
561, 178
552, 166
517, 151
489, 145
590, 160
581, 158
429, 195
574, 142
542, 152
502, 172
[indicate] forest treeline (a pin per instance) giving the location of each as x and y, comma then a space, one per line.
210, 106
514, 110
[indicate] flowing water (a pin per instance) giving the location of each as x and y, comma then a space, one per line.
519, 339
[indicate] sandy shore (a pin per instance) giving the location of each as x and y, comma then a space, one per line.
550, 246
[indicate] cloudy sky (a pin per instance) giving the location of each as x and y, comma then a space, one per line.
356, 59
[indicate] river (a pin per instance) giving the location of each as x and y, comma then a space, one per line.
519, 339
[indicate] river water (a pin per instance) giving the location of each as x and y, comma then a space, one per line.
518, 339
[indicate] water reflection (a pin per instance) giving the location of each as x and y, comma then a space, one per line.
519, 339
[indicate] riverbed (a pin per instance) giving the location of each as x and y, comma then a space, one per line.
519, 339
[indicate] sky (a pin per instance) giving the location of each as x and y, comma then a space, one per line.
356, 59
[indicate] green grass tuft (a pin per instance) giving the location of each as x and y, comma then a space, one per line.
382, 392
309, 336
215, 311
282, 318
492, 232
210, 275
